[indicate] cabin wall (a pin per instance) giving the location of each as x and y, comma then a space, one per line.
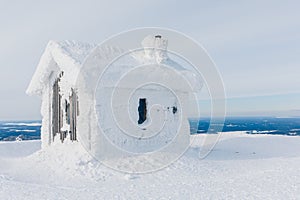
46, 117
165, 119
46, 111
65, 109
59, 111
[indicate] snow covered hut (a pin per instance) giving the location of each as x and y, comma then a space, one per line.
73, 110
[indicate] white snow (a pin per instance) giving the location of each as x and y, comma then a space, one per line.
64, 55
21, 124
23, 130
241, 166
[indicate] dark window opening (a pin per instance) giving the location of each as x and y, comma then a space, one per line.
74, 112
57, 114
57, 111
174, 109
142, 111
67, 110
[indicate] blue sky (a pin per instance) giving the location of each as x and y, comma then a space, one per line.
255, 44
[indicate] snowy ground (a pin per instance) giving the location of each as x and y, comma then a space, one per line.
240, 167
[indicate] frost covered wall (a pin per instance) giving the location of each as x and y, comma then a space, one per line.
96, 96
58, 57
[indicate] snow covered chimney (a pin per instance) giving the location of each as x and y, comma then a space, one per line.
155, 47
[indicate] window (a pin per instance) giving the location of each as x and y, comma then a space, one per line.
174, 110
142, 111
67, 110
73, 115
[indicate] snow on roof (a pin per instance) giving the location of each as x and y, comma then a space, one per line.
155, 52
66, 56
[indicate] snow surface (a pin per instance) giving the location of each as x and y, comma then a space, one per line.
241, 166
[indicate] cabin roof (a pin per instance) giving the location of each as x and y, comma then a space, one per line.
68, 56
58, 56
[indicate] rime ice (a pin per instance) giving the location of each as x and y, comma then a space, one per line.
75, 101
